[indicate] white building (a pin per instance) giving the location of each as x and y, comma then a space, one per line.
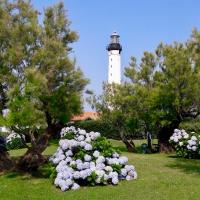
114, 62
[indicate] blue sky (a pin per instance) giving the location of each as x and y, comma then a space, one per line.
142, 25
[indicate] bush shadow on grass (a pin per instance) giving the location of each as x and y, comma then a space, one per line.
45, 171
139, 150
189, 166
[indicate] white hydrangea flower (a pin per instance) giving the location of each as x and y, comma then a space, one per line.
100, 166
180, 144
115, 180
123, 160
87, 158
115, 155
75, 186
96, 154
123, 172
194, 138
108, 169
194, 148
100, 159
88, 147
80, 138
128, 178
88, 139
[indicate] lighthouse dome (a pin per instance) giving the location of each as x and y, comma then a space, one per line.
114, 43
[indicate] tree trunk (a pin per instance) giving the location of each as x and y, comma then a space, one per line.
129, 144
163, 138
33, 158
6, 163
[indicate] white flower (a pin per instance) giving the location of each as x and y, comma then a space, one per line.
81, 138
105, 177
88, 147
92, 166
69, 182
80, 166
186, 136
75, 186
113, 174
175, 139
83, 143
83, 174
115, 180
76, 175
100, 159
88, 139
123, 160
194, 148
81, 131
87, 158
56, 181
115, 155
129, 167
194, 138
68, 153
123, 172
86, 165
100, 166
96, 154
73, 162
64, 188
108, 168
180, 144
135, 175
128, 178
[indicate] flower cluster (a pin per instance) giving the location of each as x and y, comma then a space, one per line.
88, 159
186, 145
14, 141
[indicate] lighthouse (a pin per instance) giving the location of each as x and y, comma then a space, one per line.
114, 63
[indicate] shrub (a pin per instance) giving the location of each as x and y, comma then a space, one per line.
187, 145
14, 141
98, 126
190, 126
88, 159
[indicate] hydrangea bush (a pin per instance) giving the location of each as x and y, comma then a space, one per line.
88, 159
14, 141
187, 145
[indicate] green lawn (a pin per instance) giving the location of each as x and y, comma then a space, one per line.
160, 177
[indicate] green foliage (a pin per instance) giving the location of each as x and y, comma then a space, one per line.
117, 168
69, 136
190, 125
161, 91
104, 128
92, 179
39, 82
48, 171
15, 143
104, 146
79, 153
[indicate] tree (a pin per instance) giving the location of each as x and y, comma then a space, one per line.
115, 107
169, 82
162, 91
43, 85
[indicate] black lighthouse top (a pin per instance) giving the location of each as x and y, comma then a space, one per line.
114, 43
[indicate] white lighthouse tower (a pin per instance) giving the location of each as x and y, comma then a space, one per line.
114, 63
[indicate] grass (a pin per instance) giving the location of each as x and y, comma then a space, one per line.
160, 177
